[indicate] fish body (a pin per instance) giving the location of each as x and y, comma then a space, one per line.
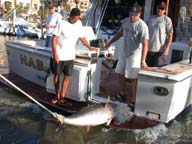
90, 116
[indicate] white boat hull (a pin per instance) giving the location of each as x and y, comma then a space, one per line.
31, 61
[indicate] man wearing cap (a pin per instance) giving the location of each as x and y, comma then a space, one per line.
133, 53
65, 37
51, 22
160, 36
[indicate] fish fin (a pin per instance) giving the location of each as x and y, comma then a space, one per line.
88, 127
109, 121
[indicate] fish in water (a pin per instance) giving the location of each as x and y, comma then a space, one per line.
90, 116
97, 114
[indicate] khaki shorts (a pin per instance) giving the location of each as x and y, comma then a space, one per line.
129, 66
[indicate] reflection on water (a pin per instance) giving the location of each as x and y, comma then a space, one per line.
22, 122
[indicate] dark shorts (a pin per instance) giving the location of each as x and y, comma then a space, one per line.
65, 67
152, 59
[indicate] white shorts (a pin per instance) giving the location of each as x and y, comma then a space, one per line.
129, 66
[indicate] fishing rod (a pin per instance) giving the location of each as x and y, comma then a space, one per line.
54, 114
89, 21
103, 10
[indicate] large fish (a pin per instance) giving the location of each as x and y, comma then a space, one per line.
90, 116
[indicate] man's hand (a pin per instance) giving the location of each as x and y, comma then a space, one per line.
94, 49
107, 46
165, 52
144, 66
49, 26
56, 58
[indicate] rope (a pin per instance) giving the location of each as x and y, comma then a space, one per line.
54, 114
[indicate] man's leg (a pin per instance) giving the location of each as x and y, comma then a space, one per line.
65, 84
56, 83
122, 89
68, 69
133, 89
55, 70
120, 70
122, 83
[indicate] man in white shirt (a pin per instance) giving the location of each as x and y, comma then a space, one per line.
65, 37
51, 22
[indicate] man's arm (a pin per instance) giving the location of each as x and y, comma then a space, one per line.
47, 26
115, 38
169, 31
85, 43
144, 54
54, 44
168, 44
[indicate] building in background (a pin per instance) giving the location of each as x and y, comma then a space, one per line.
31, 5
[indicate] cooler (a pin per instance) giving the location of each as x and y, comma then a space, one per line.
163, 93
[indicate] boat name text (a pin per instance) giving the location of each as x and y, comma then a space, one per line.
31, 62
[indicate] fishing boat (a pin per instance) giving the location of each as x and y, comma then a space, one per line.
162, 93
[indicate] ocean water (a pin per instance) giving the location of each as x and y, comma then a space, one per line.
24, 122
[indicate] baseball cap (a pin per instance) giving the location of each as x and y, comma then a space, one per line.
75, 12
52, 5
135, 9
162, 5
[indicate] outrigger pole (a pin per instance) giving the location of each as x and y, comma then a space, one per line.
54, 114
